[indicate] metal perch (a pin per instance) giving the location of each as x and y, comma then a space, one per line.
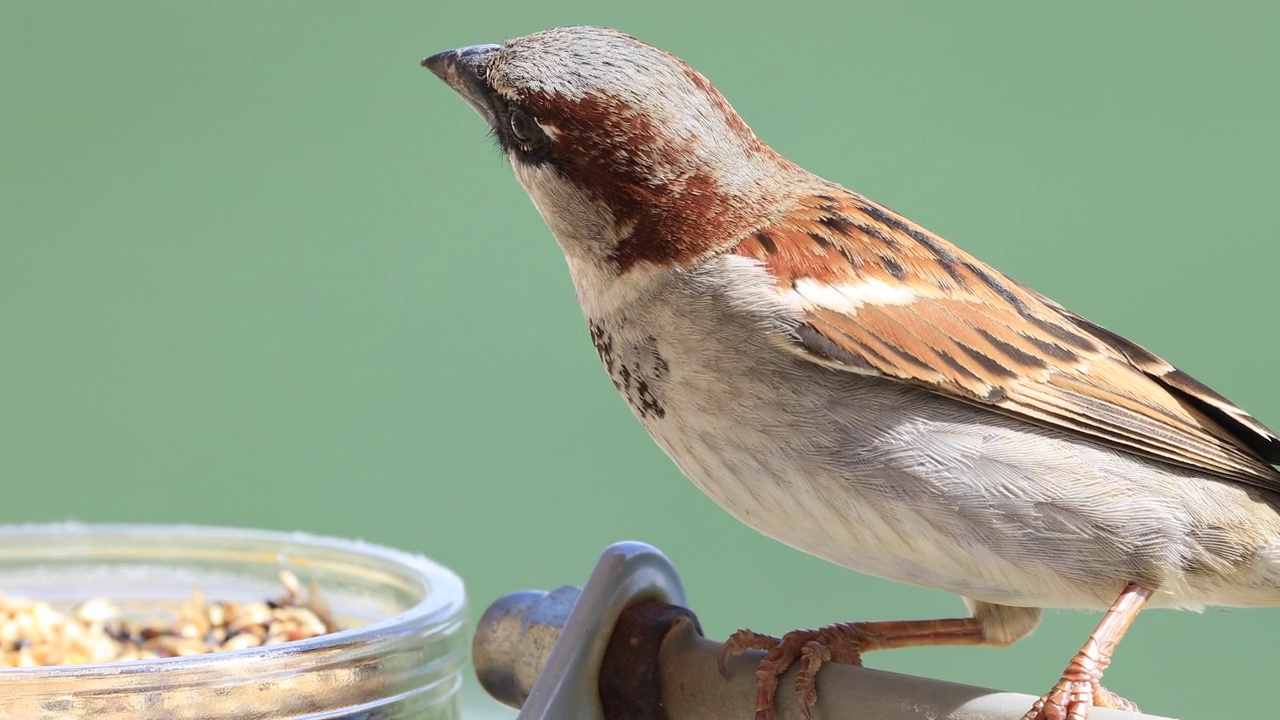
624, 646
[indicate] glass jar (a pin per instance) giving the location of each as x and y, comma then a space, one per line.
400, 655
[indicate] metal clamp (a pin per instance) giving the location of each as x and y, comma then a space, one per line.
624, 646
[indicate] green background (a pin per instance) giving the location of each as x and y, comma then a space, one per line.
258, 268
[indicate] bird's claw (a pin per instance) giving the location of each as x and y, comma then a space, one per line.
1074, 697
835, 643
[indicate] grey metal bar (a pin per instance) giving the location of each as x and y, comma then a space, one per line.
545, 653
693, 688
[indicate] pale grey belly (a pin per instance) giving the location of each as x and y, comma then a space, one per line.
895, 482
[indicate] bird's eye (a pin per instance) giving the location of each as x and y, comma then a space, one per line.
524, 127
524, 136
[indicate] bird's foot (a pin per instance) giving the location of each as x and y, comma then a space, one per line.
1077, 693
834, 643
841, 643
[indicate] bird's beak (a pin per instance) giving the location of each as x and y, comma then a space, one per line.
464, 70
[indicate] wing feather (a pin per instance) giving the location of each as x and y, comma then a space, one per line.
880, 295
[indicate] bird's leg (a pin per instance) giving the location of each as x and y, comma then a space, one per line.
841, 643
1079, 689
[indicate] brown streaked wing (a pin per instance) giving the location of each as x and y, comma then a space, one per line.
1205, 399
923, 311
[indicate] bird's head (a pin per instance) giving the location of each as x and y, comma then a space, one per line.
630, 155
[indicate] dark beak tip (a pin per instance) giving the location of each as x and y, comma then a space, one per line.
469, 56
438, 63
464, 70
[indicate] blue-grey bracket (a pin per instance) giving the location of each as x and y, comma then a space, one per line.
626, 573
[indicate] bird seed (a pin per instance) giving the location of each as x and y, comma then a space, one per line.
34, 634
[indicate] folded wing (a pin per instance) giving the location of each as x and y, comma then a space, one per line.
882, 296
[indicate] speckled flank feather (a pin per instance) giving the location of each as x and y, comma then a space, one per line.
971, 333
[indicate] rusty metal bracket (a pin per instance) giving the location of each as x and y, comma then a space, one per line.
526, 644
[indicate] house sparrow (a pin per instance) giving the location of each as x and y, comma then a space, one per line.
845, 381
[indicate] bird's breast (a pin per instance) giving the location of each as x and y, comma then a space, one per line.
635, 365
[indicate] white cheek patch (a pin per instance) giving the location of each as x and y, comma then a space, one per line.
849, 297
551, 193
581, 225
